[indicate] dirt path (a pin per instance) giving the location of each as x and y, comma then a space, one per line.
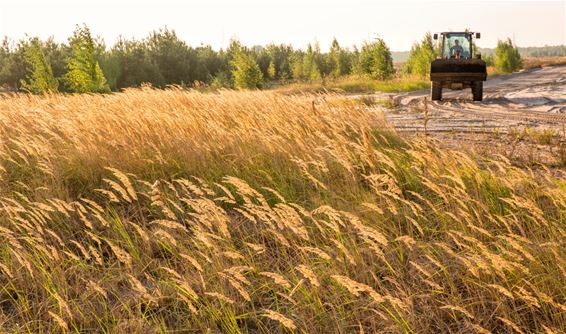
531, 99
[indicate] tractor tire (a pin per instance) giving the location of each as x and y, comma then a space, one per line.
477, 90
436, 91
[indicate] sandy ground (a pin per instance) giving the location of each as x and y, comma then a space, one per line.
534, 99
522, 116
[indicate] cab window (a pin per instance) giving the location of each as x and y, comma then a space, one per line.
457, 45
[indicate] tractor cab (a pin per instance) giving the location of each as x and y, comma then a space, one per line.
456, 45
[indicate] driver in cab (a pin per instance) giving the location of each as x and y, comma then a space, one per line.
456, 50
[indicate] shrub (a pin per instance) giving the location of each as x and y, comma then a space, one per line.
489, 60
507, 57
375, 60
420, 57
221, 80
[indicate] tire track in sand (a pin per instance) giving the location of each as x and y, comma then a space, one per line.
534, 98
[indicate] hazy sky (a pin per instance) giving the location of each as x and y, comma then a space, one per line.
400, 23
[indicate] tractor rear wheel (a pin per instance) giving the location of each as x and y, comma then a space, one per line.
436, 91
477, 90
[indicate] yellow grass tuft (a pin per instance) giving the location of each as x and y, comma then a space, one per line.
308, 274
278, 279
283, 320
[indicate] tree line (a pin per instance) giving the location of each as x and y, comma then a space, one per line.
85, 64
535, 51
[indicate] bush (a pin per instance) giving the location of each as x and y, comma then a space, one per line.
507, 57
489, 60
221, 80
375, 60
420, 57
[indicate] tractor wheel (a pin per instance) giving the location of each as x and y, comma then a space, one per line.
436, 91
477, 90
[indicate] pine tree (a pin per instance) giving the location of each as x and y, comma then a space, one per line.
245, 70
40, 80
85, 74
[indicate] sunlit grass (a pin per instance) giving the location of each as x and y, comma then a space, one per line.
173, 211
358, 84
363, 85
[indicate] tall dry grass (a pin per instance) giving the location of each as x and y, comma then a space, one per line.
170, 211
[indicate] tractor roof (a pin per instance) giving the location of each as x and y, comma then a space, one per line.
456, 32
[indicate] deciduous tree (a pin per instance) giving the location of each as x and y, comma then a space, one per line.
375, 60
420, 57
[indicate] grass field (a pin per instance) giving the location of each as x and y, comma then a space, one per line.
171, 211
532, 62
358, 84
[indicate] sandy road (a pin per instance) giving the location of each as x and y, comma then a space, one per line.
534, 99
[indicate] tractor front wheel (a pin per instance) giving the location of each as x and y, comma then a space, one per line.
477, 90
436, 91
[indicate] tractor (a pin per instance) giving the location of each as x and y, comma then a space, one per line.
457, 67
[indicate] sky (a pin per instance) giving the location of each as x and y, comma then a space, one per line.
296, 22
